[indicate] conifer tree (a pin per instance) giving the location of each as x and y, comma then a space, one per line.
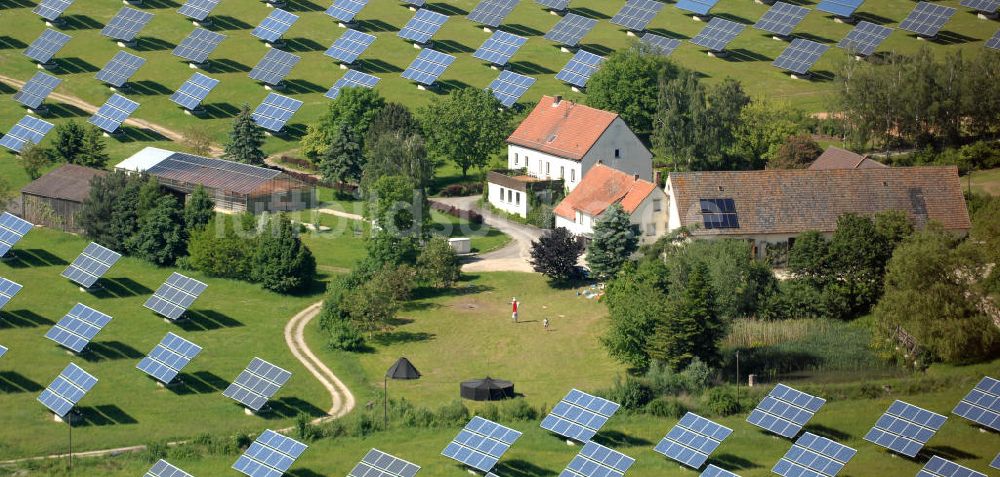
200, 209
692, 327
245, 140
614, 242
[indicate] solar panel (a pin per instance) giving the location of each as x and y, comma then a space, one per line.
46, 45
163, 468
346, 10
12, 230
126, 24
270, 455
905, 428
168, 358
510, 86
198, 10
813, 455
7, 291
428, 66
113, 113
558, 5
636, 14
840, 8
692, 440
352, 79
571, 29
785, 410
28, 130
713, 471
595, 460
982, 404
926, 19
781, 18
75, 330
580, 68
718, 33
67, 390
350, 46
3, 350
415, 3
121, 67
500, 47
481, 444
274, 66
51, 9
800, 56
996, 462
92, 264
275, 111
985, 6
36, 90
175, 296
579, 415
198, 45
422, 26
275, 25
994, 43
865, 38
938, 467
257, 383
661, 44
193, 91
492, 12
698, 7
379, 464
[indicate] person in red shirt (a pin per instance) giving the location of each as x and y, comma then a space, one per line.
513, 316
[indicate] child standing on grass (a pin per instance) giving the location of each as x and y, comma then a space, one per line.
545, 324
513, 315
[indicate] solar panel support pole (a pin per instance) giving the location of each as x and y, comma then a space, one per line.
385, 400
127, 44
700, 18
988, 16
57, 23
202, 23
132, 2
847, 20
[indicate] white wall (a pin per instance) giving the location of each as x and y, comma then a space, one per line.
674, 218
529, 158
582, 227
633, 158
518, 203
645, 215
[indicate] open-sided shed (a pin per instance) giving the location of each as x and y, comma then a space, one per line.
55, 199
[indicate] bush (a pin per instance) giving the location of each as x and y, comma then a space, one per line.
472, 216
452, 414
666, 407
461, 190
345, 337
722, 402
631, 393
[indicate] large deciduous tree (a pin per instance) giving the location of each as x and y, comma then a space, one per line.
613, 243
356, 107
763, 129
636, 301
555, 254
628, 84
199, 210
245, 140
160, 238
467, 127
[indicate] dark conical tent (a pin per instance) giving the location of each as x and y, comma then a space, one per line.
402, 369
488, 389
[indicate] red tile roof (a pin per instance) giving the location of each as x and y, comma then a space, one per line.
601, 188
837, 158
563, 129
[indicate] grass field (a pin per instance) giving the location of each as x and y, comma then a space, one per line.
389, 55
985, 182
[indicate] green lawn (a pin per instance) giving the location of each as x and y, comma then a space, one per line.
984, 182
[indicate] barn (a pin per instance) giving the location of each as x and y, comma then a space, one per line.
54, 199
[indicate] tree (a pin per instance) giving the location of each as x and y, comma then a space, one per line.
393, 118
636, 300
796, 152
199, 210
468, 126
393, 153
92, 152
438, 263
281, 262
68, 142
748, 283
809, 259
97, 216
555, 254
245, 140
613, 244
692, 328
342, 162
373, 305
397, 208
160, 238
198, 141
858, 255
35, 159
356, 107
763, 129
125, 212
628, 84
219, 251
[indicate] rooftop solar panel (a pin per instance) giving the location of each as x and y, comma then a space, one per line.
713, 471
271, 455
492, 12
499, 48
595, 460
194, 91
257, 383
926, 19
571, 29
938, 467
800, 56
46, 46
994, 42
51, 9
275, 111
558, 5
163, 468
352, 79
982, 404
113, 113
8, 290
840, 8
126, 24
78, 327
692, 440
274, 66
661, 44
580, 68
12, 230
781, 18
785, 410
428, 67
481, 444
635, 15
198, 45
985, 6
91, 264
198, 10
72, 384
579, 415
422, 27
717, 34
350, 46
36, 90
275, 25
380, 464
905, 428
120, 68
510, 86
865, 38
175, 296
168, 358
346, 10
698, 7
28, 130
813, 455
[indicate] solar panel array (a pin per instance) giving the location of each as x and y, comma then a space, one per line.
579, 415
275, 111
415, 3
46, 45
800, 55
3, 350
194, 90
994, 42
12, 230
198, 10
274, 66
350, 46
275, 25
865, 38
781, 18
126, 24
571, 29
905, 428
996, 462
717, 34
698, 7
719, 213
692, 440
28, 130
492, 12
558, 5
75, 330
346, 10
481, 444
168, 358
840, 8
422, 27
985, 6
8, 290
67, 390
595, 460
51, 9
982, 404
257, 383
163, 468
352, 79
812, 455
580, 68
91, 265
500, 47
926, 19
121, 67
198, 45
785, 410
510, 86
379, 464
113, 113
938, 467
36, 90
661, 44
713, 471
270, 455
428, 66
175, 296
635, 15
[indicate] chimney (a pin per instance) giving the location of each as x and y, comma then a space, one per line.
600, 161
556, 102
635, 177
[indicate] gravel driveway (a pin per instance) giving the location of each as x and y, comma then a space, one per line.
515, 256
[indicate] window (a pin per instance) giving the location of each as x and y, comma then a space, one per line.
579, 217
651, 229
572, 175
510, 194
547, 164
618, 153
539, 167
501, 194
562, 172
656, 205
517, 198
515, 158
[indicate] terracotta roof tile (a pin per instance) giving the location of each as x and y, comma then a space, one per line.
602, 187
67, 182
565, 129
837, 158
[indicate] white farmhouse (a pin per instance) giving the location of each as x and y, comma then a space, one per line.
603, 187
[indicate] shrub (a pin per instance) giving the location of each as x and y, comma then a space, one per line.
631, 393
345, 337
722, 402
155, 451
304, 430
666, 407
453, 413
